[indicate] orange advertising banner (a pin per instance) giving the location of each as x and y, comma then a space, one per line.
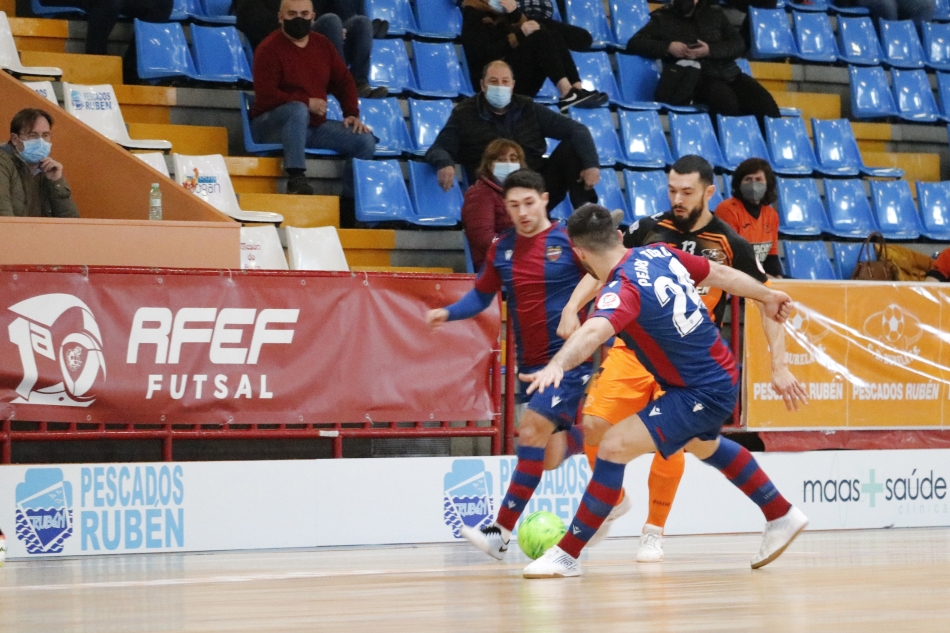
871, 356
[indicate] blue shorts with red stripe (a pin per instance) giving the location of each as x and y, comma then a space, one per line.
560, 404
684, 413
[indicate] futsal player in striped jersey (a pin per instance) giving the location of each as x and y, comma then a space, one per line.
536, 266
650, 300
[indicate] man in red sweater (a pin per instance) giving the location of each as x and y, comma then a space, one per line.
294, 71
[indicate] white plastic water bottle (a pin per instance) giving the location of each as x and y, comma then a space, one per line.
155, 202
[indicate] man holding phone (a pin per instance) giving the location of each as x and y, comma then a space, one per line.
32, 183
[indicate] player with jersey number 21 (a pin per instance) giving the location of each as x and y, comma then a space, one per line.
650, 301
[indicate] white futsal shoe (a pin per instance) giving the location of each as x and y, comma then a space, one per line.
651, 545
618, 511
778, 535
490, 540
556, 563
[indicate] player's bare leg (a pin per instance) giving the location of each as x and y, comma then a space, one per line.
620, 444
595, 428
783, 520
533, 435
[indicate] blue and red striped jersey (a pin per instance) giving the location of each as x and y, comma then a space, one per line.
539, 274
651, 300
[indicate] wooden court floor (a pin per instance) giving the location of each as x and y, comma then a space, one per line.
883, 580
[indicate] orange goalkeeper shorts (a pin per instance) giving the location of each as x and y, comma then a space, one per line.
622, 388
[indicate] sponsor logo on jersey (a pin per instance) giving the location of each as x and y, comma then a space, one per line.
608, 301
553, 253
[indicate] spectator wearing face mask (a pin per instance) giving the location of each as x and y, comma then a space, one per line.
498, 29
750, 214
32, 183
484, 214
694, 33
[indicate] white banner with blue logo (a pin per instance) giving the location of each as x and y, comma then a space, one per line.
89, 509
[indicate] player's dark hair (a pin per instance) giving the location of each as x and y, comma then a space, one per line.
750, 166
26, 120
693, 164
524, 179
593, 228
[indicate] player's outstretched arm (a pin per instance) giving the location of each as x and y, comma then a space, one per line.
783, 381
594, 333
468, 306
775, 304
584, 293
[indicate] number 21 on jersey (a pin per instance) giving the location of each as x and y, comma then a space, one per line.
679, 290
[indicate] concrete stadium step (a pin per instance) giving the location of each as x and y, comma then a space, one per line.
8, 7
403, 249
185, 139
812, 104
924, 167
38, 34
146, 104
872, 137
79, 69
250, 174
774, 76
298, 211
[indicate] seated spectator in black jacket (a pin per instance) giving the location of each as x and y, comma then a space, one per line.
499, 30
698, 31
542, 12
571, 169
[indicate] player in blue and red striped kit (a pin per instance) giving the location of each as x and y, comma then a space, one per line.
536, 266
650, 301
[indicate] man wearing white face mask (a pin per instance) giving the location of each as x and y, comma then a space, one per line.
572, 169
32, 183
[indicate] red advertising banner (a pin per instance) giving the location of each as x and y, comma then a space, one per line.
240, 347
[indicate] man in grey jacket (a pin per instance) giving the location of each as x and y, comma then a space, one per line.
32, 183
571, 169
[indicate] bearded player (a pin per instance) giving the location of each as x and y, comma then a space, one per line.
625, 387
650, 301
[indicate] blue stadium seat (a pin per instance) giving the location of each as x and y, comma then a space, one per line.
901, 44
563, 210
852, 11
693, 134
800, 212
548, 94
469, 266
638, 79
943, 95
389, 67
740, 138
716, 198
846, 256
601, 126
384, 118
466, 88
815, 39
915, 100
219, 54
397, 12
838, 154
590, 15
791, 152
937, 45
726, 186
807, 260
253, 147
439, 19
942, 11
427, 118
894, 210
933, 203
42, 10
380, 192
627, 17
438, 72
163, 52
744, 65
646, 194
771, 35
849, 213
858, 43
608, 191
596, 74
434, 207
871, 97
184, 10
216, 12
643, 141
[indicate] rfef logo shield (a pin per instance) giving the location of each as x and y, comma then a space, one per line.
468, 499
44, 511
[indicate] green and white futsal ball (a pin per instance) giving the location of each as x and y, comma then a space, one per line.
540, 532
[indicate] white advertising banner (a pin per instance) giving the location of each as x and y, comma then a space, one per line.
69, 510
